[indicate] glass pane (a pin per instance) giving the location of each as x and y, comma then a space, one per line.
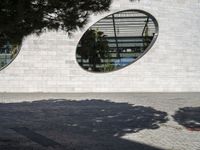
116, 41
8, 50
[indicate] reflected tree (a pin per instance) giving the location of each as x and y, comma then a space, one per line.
94, 47
20, 18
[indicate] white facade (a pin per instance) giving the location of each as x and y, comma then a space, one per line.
48, 63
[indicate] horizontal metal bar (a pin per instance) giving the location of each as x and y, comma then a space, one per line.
121, 24
130, 41
121, 21
129, 37
127, 17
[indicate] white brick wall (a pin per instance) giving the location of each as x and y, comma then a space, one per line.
48, 63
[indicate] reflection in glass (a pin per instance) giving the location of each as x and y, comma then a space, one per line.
8, 50
116, 41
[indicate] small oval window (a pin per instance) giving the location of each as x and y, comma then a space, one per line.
116, 41
8, 50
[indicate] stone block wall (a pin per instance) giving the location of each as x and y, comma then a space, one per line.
48, 63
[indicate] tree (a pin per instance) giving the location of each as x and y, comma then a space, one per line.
19, 18
93, 47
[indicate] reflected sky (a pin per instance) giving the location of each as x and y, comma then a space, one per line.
116, 41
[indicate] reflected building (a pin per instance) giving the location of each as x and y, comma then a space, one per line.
8, 51
127, 34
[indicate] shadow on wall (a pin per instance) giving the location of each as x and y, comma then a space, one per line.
77, 125
189, 117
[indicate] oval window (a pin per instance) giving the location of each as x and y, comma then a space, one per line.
116, 41
8, 50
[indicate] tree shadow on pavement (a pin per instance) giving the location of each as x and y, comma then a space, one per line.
189, 117
76, 125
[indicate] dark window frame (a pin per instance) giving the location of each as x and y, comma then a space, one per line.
141, 55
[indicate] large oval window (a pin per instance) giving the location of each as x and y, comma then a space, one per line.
8, 50
116, 41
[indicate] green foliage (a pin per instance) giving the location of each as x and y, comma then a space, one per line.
20, 18
2, 64
109, 67
94, 47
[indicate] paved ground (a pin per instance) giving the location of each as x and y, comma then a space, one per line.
100, 121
